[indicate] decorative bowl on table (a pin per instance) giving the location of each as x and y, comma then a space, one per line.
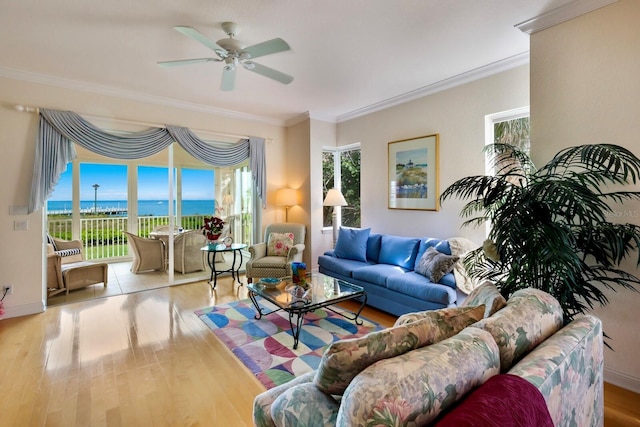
270, 282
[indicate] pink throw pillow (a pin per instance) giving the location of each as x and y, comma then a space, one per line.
279, 244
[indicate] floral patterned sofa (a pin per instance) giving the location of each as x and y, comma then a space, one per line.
429, 364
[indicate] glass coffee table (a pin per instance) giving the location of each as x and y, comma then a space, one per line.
323, 292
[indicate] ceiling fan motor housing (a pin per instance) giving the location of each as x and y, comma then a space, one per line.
231, 45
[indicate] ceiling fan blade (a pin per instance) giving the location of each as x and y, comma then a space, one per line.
186, 62
201, 38
266, 48
271, 73
228, 78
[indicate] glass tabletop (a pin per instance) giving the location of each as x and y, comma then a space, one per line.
221, 247
322, 290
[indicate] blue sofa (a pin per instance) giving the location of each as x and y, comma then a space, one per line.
384, 265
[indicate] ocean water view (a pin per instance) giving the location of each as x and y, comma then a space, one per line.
145, 207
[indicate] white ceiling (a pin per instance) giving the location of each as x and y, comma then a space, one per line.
346, 55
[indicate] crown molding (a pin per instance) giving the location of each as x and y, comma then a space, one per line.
81, 86
460, 79
297, 119
308, 115
561, 14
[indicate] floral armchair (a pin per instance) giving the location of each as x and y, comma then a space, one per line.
283, 244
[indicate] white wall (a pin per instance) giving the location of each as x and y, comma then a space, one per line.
585, 88
297, 177
456, 114
21, 261
305, 141
323, 134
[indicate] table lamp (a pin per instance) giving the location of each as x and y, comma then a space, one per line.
286, 197
334, 198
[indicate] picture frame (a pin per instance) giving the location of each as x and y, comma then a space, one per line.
413, 173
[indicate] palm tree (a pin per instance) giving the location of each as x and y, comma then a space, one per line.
550, 227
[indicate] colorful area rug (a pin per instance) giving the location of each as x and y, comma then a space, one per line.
265, 345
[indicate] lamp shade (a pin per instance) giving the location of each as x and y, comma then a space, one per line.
286, 197
334, 198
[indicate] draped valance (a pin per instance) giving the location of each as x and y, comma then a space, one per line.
59, 130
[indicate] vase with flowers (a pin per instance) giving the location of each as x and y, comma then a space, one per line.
212, 228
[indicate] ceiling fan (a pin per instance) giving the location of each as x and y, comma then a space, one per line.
233, 53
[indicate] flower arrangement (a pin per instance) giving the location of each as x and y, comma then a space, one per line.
2, 310
213, 227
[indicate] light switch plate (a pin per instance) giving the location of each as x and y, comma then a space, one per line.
20, 225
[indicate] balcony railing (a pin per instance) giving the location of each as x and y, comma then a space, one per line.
102, 237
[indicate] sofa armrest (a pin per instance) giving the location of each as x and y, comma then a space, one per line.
568, 369
262, 402
259, 250
305, 404
295, 253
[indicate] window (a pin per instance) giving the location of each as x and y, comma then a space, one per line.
341, 169
100, 206
510, 127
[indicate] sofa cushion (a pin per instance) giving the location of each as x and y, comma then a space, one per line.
69, 252
352, 243
413, 388
345, 359
434, 265
304, 405
377, 274
504, 400
420, 287
397, 250
430, 242
373, 247
343, 267
530, 317
486, 294
279, 244
51, 241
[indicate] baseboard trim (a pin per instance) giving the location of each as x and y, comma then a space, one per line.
620, 379
24, 310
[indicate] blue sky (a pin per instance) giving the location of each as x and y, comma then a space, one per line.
417, 156
197, 184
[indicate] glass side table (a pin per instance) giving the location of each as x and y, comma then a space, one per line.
234, 268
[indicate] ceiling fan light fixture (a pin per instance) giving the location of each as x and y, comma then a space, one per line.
233, 53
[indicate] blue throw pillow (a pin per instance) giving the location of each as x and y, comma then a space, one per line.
397, 250
352, 243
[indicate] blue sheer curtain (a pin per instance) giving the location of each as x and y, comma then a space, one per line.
60, 129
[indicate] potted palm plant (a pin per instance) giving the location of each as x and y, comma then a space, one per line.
550, 228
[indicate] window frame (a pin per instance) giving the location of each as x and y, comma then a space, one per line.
489, 125
337, 177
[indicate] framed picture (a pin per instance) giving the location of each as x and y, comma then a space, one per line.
413, 173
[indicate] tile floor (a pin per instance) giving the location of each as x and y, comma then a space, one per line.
122, 281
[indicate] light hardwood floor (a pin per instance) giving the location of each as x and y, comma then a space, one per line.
145, 359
